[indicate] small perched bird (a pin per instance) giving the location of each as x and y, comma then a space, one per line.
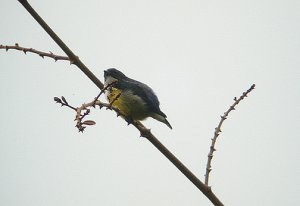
135, 99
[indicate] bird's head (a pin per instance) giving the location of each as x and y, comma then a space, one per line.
113, 73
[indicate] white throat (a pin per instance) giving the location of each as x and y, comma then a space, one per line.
109, 80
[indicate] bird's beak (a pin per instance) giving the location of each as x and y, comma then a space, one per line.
105, 74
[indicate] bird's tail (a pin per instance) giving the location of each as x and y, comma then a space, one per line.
161, 119
167, 123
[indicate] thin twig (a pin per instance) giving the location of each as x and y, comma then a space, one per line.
31, 50
115, 99
63, 102
218, 130
83, 111
104, 89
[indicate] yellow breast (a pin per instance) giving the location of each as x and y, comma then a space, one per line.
128, 103
119, 103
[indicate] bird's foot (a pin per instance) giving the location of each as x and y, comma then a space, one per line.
129, 120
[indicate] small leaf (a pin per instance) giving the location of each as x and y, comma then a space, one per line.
89, 122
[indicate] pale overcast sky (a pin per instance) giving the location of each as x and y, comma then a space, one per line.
197, 55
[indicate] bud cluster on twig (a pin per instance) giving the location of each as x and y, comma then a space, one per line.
83, 110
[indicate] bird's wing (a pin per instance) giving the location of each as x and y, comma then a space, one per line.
144, 91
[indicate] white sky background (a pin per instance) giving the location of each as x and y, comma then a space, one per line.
196, 55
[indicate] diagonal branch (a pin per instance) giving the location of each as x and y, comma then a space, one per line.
218, 130
143, 130
31, 50
73, 58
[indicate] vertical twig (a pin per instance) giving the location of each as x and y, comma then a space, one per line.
218, 130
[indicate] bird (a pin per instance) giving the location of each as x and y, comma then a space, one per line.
136, 100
